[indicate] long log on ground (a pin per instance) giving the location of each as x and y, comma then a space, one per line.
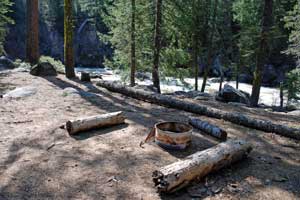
93, 122
208, 128
173, 102
178, 175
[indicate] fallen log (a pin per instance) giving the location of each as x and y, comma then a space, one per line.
208, 128
178, 175
88, 123
173, 102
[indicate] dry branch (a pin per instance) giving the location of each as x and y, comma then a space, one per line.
88, 123
197, 108
178, 175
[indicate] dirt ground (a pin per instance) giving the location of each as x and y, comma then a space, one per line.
38, 160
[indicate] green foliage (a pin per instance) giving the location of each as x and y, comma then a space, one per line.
247, 13
118, 20
4, 20
175, 44
60, 68
292, 84
292, 22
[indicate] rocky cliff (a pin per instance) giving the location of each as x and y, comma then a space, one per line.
89, 50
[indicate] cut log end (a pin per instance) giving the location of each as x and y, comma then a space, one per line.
177, 175
93, 122
208, 128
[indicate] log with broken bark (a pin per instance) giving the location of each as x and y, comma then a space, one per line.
197, 108
208, 128
93, 122
179, 174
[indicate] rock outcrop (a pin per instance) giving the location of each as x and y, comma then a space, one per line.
6, 63
89, 49
43, 69
230, 94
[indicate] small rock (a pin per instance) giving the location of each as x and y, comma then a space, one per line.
215, 80
6, 63
21, 92
142, 76
279, 178
215, 189
268, 181
70, 91
197, 191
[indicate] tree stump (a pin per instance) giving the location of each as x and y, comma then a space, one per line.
85, 77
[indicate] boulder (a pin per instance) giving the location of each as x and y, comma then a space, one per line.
230, 94
142, 76
293, 105
215, 80
22, 67
270, 75
245, 78
43, 69
6, 63
21, 92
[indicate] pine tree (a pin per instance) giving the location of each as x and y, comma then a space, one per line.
262, 51
32, 30
4, 20
157, 44
292, 22
133, 59
68, 39
210, 46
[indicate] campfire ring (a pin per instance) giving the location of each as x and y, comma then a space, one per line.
173, 135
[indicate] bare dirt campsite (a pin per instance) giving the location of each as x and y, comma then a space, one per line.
40, 160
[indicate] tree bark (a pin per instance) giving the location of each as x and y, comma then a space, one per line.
88, 123
157, 45
32, 31
68, 39
262, 51
281, 95
178, 175
133, 54
197, 108
195, 59
208, 128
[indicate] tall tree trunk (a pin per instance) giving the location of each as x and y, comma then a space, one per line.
221, 78
32, 31
133, 54
237, 72
262, 51
210, 48
157, 44
195, 59
68, 39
